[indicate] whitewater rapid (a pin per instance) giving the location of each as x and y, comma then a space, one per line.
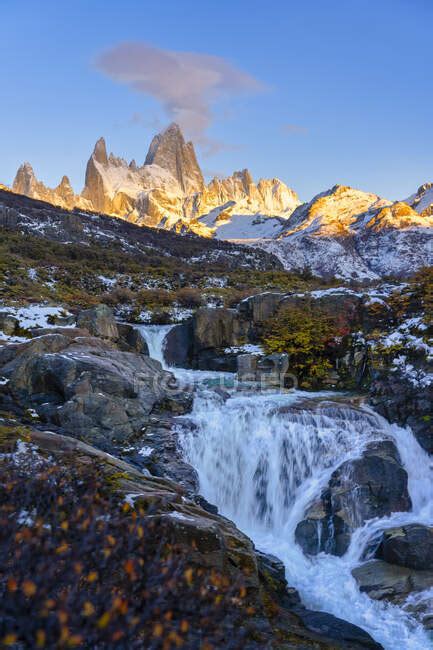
263, 458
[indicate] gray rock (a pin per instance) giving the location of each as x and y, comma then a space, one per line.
89, 388
131, 339
260, 307
383, 581
178, 350
409, 546
217, 329
8, 323
374, 485
99, 321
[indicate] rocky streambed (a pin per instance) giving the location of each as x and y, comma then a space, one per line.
328, 487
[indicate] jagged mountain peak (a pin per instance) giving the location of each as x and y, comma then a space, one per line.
422, 200
100, 151
169, 150
333, 211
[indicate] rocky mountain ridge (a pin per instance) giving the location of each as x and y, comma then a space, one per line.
342, 232
352, 234
168, 191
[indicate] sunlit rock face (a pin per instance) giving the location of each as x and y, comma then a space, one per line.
170, 151
63, 195
168, 191
422, 200
351, 234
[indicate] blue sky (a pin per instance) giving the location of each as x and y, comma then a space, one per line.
314, 92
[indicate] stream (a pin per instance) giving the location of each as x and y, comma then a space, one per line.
262, 458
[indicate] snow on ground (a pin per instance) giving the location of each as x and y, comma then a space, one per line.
248, 348
35, 315
248, 226
107, 282
416, 376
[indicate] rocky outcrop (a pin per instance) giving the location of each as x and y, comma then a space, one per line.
170, 151
274, 616
351, 234
131, 339
409, 546
374, 485
178, 345
87, 387
389, 582
408, 403
99, 321
258, 308
63, 195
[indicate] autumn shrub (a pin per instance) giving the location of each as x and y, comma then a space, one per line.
189, 297
304, 334
152, 298
79, 568
118, 296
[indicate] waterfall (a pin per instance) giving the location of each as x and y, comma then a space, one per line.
263, 458
154, 335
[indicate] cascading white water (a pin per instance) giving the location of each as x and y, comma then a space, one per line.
154, 335
263, 458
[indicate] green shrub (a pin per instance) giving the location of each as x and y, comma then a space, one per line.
304, 334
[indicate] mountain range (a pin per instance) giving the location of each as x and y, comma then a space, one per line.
343, 231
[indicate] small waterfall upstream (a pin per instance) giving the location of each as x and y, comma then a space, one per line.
263, 458
154, 336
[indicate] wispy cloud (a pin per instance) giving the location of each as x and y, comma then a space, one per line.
293, 128
186, 83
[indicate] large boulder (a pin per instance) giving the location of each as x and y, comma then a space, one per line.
408, 403
8, 323
211, 545
179, 344
343, 306
374, 485
409, 546
99, 321
260, 307
89, 388
215, 331
401, 586
131, 339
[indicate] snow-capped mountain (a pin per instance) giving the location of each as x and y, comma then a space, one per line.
168, 191
422, 200
353, 234
343, 231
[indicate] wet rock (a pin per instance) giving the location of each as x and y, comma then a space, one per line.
269, 370
374, 485
383, 581
131, 339
216, 361
339, 633
409, 546
398, 400
179, 344
99, 321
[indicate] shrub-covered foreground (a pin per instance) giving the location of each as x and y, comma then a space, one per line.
79, 568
